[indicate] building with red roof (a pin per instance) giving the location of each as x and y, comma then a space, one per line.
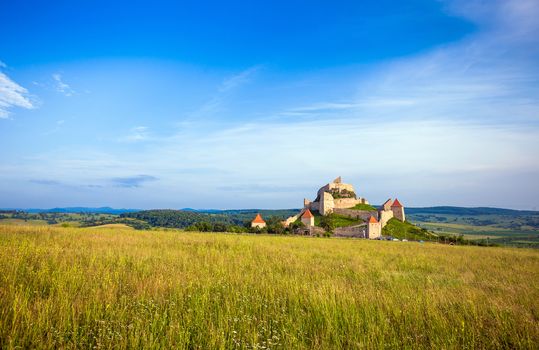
374, 228
258, 222
396, 203
398, 210
307, 218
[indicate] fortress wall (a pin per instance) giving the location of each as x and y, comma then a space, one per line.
346, 202
339, 186
385, 215
315, 230
291, 219
342, 186
356, 214
322, 190
387, 204
358, 231
314, 206
326, 204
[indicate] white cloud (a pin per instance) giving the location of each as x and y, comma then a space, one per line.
216, 102
324, 107
12, 95
490, 75
382, 159
239, 79
61, 86
136, 134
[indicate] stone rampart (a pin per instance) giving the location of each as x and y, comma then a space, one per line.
384, 216
291, 219
356, 214
358, 231
346, 202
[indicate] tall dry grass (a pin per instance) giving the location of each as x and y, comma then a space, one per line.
103, 288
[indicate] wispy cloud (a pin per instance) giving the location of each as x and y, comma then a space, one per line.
46, 182
12, 95
239, 79
132, 181
136, 134
330, 107
61, 86
215, 103
490, 75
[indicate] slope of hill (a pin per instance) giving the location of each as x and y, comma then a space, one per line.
406, 230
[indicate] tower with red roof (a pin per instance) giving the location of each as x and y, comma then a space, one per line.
307, 218
258, 222
398, 210
374, 228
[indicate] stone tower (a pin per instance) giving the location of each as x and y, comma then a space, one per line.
398, 210
374, 228
307, 218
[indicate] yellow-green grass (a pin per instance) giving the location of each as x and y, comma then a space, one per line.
104, 288
338, 220
21, 222
112, 226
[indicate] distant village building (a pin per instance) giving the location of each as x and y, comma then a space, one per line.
258, 222
307, 218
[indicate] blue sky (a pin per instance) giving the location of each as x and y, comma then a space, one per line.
257, 104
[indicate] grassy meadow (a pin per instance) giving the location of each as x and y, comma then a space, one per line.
120, 288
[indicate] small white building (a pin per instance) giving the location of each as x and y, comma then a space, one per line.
258, 222
307, 218
374, 228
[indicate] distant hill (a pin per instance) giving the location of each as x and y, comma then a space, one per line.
447, 210
184, 218
66, 210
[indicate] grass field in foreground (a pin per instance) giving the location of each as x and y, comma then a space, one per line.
115, 288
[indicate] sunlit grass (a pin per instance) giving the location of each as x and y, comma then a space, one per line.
115, 288
362, 206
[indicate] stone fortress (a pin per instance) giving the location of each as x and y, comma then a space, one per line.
339, 198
